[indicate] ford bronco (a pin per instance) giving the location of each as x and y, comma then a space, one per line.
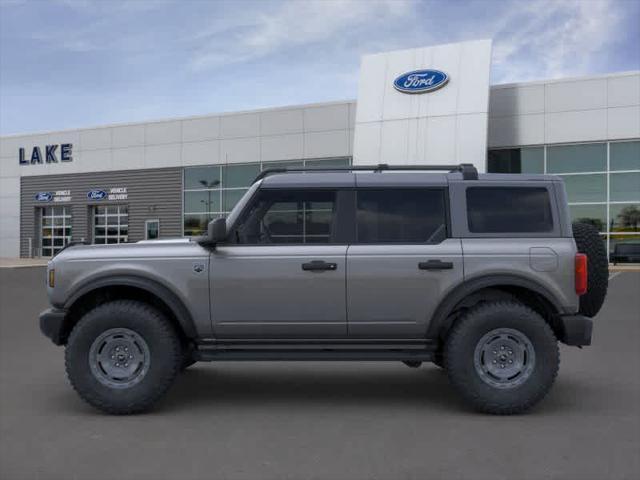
482, 275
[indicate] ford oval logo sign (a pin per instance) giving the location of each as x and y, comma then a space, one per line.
44, 196
420, 81
97, 195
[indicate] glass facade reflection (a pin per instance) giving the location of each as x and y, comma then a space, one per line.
212, 191
602, 181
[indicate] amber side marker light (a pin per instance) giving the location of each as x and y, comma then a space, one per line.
52, 278
581, 273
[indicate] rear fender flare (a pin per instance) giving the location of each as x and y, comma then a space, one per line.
469, 287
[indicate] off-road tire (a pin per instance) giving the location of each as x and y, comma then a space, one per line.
165, 355
461, 345
589, 242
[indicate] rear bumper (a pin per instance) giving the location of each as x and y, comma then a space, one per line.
52, 323
576, 330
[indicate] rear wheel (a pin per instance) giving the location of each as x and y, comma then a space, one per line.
123, 356
502, 357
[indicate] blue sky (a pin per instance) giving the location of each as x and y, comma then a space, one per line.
78, 63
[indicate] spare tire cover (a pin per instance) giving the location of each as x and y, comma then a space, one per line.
589, 242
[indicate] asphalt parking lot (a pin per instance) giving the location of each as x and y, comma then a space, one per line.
319, 420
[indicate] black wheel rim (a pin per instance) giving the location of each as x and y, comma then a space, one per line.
119, 358
504, 358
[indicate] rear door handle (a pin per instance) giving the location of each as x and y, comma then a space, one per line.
435, 265
319, 266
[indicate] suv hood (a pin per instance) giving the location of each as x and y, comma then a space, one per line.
178, 247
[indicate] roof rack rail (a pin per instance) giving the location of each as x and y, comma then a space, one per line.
469, 171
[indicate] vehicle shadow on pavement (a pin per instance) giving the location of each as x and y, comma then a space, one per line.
426, 387
297, 385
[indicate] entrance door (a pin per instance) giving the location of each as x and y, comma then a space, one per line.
55, 229
283, 272
401, 263
151, 229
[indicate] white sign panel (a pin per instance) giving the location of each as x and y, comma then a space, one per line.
424, 106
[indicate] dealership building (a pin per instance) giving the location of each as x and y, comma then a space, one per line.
432, 105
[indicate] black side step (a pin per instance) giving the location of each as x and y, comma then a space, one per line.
422, 352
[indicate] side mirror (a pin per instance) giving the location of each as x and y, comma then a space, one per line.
217, 230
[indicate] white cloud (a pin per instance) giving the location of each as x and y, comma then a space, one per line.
547, 38
290, 24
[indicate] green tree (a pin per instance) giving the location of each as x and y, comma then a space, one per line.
629, 218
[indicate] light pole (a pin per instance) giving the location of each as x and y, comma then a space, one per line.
209, 186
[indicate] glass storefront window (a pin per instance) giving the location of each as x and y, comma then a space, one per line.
624, 248
624, 187
202, 177
231, 197
516, 160
624, 217
624, 156
212, 191
590, 157
595, 215
532, 160
586, 188
202, 201
239, 175
195, 225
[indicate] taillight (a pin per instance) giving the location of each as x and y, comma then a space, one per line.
581, 273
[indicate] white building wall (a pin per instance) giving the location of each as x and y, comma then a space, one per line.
306, 131
564, 111
448, 125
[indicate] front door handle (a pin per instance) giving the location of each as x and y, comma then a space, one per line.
319, 266
435, 265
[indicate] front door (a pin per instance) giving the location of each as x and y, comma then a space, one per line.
282, 273
401, 263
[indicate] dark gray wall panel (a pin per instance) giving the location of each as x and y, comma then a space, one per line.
152, 193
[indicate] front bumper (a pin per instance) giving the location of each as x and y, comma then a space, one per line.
575, 330
52, 325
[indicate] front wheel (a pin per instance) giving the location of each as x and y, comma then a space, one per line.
502, 357
122, 356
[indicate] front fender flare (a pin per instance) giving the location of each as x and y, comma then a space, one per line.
171, 299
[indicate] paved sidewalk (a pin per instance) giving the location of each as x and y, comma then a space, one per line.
22, 262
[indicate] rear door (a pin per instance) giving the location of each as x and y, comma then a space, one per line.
402, 261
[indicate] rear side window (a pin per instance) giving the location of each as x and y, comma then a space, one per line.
401, 216
509, 210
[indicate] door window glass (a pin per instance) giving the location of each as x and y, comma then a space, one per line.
285, 217
401, 216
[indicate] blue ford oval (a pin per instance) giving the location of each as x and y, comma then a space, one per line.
97, 195
420, 81
44, 196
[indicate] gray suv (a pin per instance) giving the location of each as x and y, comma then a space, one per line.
480, 274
